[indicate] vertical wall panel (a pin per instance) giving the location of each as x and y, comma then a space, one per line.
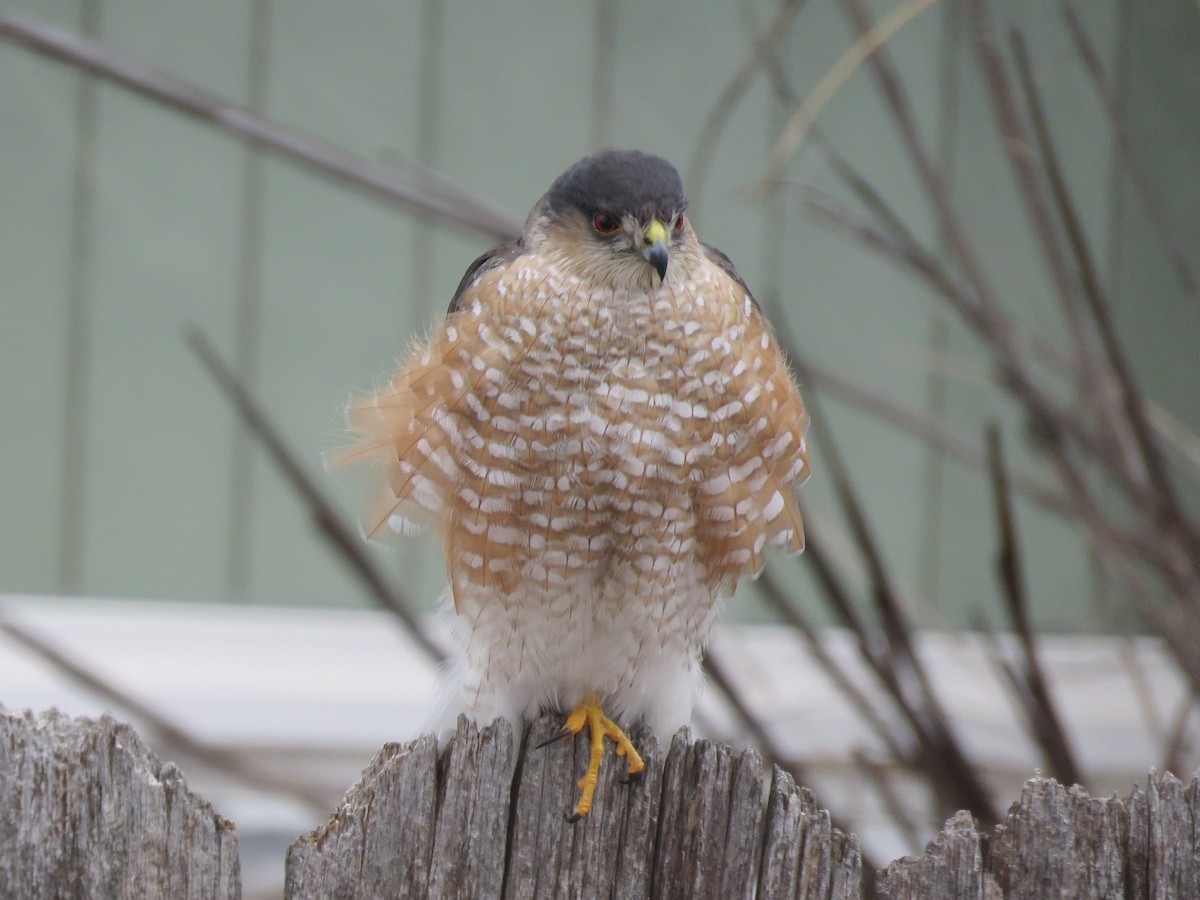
37, 146
517, 100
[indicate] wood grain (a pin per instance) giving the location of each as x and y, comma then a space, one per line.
1060, 842
86, 810
700, 821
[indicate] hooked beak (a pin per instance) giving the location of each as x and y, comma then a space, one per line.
655, 249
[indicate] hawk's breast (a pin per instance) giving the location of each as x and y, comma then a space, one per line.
553, 429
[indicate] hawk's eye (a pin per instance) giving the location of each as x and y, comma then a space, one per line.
605, 224
678, 223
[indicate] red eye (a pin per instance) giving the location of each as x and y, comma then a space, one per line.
678, 223
605, 224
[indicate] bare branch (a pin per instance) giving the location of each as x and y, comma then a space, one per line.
899, 666
1097, 385
715, 672
341, 536
424, 190
1176, 745
931, 432
1129, 155
729, 98
1090, 382
165, 731
1036, 701
773, 594
869, 41
1167, 505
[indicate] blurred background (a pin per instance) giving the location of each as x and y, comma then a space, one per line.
974, 224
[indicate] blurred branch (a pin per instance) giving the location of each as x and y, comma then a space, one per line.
977, 304
756, 59
603, 73
772, 593
1185, 441
715, 672
342, 537
165, 732
894, 659
926, 429
1162, 495
903, 251
1177, 256
899, 246
1143, 687
1029, 682
870, 196
1097, 384
424, 190
1177, 741
900, 811
869, 41
1089, 382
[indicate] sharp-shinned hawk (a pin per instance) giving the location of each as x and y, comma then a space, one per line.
605, 437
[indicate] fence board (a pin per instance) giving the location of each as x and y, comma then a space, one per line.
86, 810
1060, 842
696, 823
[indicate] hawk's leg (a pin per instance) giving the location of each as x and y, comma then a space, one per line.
600, 726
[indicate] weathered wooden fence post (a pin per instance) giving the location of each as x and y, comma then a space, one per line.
1060, 842
700, 822
87, 811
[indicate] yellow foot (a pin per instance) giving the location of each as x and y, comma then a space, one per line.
599, 726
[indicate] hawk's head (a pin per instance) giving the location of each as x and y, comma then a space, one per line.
619, 214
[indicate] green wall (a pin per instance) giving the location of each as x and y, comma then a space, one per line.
122, 222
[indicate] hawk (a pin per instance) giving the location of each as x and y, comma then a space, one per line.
605, 436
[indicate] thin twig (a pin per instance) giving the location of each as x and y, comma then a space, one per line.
1142, 686
977, 306
166, 732
774, 596
1037, 703
981, 309
715, 672
931, 432
1090, 383
728, 100
1009, 345
1132, 160
897, 664
899, 810
866, 192
604, 46
330, 525
1154, 466
999, 329
1176, 745
77, 410
869, 41
1097, 387
424, 190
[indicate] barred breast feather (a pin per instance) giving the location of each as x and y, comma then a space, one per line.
551, 427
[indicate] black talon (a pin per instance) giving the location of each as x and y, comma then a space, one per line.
631, 777
566, 732
573, 817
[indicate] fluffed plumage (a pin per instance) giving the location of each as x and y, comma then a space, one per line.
602, 451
